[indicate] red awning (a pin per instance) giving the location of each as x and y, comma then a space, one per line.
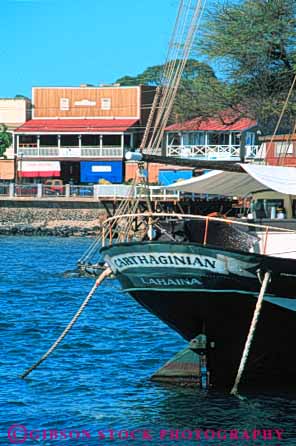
33, 169
76, 126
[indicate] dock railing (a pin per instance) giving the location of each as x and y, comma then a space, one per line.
94, 192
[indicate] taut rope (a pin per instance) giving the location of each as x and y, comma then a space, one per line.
251, 333
100, 279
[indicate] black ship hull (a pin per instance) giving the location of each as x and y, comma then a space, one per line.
198, 289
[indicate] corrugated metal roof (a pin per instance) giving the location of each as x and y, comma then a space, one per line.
76, 125
227, 122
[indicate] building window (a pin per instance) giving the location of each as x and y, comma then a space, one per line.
111, 140
48, 140
64, 104
28, 141
174, 139
127, 141
90, 140
218, 139
283, 148
105, 104
196, 139
263, 208
236, 139
69, 141
250, 139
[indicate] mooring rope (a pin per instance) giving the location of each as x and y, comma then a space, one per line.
251, 333
100, 279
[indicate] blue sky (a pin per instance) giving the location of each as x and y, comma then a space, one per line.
68, 42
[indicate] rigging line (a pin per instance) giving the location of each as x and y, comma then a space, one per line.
150, 118
181, 63
188, 44
280, 118
161, 115
92, 249
172, 39
130, 220
172, 54
131, 203
169, 71
174, 50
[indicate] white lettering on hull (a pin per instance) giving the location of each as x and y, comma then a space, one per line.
163, 281
221, 265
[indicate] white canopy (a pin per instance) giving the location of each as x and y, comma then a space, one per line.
255, 178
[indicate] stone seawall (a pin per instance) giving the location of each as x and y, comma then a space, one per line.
50, 221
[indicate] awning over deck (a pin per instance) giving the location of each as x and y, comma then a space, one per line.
34, 169
43, 126
255, 178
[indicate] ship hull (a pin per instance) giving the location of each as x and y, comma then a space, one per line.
196, 289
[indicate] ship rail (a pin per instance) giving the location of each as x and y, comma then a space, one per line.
119, 228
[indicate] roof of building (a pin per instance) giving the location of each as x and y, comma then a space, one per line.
76, 125
286, 137
228, 121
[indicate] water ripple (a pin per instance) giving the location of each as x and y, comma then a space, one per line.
98, 378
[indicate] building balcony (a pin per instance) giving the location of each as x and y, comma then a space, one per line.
31, 151
212, 152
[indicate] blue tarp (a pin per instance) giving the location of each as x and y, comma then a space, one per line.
94, 171
166, 177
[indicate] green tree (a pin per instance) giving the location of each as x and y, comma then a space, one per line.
197, 83
155, 75
201, 95
5, 139
127, 81
253, 42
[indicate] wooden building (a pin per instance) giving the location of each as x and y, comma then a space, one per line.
81, 130
219, 138
279, 150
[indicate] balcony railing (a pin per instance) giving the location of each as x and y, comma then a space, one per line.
218, 152
70, 152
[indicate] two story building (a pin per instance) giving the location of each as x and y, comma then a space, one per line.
80, 134
225, 138
279, 150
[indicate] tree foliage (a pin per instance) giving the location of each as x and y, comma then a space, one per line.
253, 42
197, 78
252, 45
5, 139
155, 75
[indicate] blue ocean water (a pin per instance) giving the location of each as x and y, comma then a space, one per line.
95, 389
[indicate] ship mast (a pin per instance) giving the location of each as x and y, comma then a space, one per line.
185, 28
230, 166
